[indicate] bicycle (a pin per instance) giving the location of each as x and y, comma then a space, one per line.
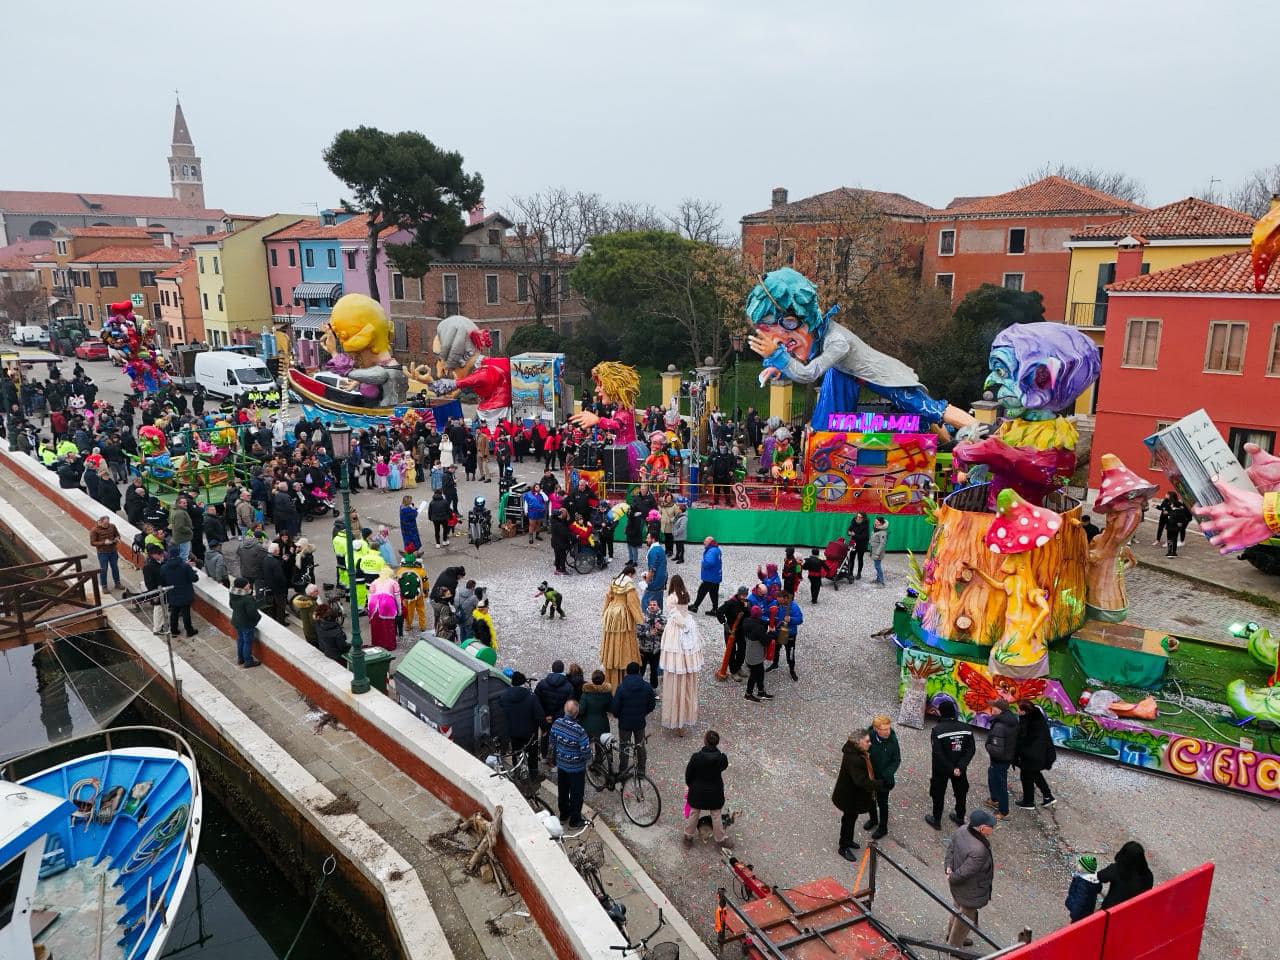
515, 767
659, 951
641, 801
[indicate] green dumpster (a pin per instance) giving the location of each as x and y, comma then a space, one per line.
451, 690
377, 664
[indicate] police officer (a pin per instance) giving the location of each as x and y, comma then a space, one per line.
952, 748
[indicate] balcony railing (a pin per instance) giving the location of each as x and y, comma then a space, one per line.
1088, 314
449, 307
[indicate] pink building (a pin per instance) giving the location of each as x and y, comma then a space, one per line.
284, 273
355, 261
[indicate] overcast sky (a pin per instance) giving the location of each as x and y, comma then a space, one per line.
645, 101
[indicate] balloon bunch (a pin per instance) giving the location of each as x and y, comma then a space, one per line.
136, 341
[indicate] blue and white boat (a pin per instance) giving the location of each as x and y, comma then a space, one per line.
96, 851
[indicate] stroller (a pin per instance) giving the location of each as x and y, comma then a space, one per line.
839, 559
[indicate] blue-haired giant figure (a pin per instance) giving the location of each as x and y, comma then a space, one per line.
799, 342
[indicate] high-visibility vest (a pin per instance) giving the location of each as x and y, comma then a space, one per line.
47, 456
369, 563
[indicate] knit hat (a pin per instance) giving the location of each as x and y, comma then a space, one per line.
518, 679
981, 818
1088, 864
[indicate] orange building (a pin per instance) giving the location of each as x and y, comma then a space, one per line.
180, 318
836, 234
1016, 239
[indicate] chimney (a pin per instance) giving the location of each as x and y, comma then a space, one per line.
1129, 258
779, 197
475, 214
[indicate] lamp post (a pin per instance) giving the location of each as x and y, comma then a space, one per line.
736, 340
340, 436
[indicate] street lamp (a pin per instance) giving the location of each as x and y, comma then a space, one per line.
340, 437
737, 341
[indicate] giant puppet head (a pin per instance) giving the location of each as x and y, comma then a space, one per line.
1038, 369
362, 329
784, 305
460, 345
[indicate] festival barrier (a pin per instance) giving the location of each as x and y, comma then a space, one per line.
1166, 922
569, 916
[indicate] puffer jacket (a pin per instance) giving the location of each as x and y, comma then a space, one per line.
553, 692
594, 708
1002, 737
633, 702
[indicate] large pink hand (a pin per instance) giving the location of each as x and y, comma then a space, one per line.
1264, 469
1237, 522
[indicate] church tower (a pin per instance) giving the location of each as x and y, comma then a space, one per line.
184, 165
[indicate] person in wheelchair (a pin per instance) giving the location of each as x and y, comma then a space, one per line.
584, 540
480, 522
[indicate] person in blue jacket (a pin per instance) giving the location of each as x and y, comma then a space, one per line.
711, 575
1082, 895
656, 572
409, 525
535, 511
789, 618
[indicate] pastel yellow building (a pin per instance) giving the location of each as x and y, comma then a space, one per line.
235, 298
1177, 233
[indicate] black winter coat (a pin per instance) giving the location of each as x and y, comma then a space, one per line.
1035, 745
704, 776
559, 532
178, 574
331, 638
522, 710
633, 701
135, 505
855, 788
1128, 876
1002, 737
108, 494
553, 692
951, 746
438, 510
273, 577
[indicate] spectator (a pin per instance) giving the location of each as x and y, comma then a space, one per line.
250, 553
634, 533
859, 534
755, 636
855, 789
553, 692
245, 513
1091, 529
572, 752
244, 619
879, 540
524, 715
970, 870
814, 568
153, 581
1082, 894
104, 538
304, 605
560, 537
649, 640
438, 514
886, 757
535, 511
597, 697
704, 776
680, 533
1129, 875
1002, 750
215, 531
215, 564
273, 582
710, 574
656, 573
180, 529
632, 703
178, 575
732, 614
951, 747
1036, 753
331, 635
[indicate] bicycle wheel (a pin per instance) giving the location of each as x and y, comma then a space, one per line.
641, 801
597, 774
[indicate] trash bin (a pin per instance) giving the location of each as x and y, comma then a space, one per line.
377, 664
451, 690
481, 651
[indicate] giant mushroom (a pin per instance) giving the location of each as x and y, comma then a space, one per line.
1122, 498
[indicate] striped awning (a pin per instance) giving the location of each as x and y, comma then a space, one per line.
317, 291
311, 321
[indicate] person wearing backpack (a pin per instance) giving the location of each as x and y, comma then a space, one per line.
413, 590
1002, 748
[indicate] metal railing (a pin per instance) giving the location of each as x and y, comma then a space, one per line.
1088, 313
449, 307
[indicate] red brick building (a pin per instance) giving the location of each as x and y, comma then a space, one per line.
829, 234
1015, 239
499, 280
1194, 335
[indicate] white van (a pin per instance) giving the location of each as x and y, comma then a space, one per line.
30, 336
225, 373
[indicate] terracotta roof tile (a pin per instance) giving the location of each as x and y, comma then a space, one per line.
353, 228
1191, 218
829, 205
130, 255
16, 261
27, 248
210, 237
1228, 273
178, 272
1050, 195
117, 233
105, 204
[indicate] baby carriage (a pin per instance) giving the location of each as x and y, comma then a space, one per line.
839, 563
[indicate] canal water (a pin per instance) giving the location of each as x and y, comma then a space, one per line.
239, 906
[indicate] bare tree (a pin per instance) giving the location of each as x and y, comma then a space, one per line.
1253, 196
19, 302
700, 220
1114, 182
628, 215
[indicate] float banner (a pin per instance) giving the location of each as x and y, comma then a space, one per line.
871, 472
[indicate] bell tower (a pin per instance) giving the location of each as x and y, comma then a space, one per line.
184, 165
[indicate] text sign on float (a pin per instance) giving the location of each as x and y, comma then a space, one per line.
873, 423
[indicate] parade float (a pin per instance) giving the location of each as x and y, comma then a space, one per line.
1012, 601
362, 384
205, 460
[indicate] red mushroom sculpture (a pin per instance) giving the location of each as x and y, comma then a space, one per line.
1019, 528
1122, 497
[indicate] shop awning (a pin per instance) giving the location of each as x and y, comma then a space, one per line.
311, 321
317, 291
